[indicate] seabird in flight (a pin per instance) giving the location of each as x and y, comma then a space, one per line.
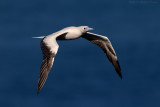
50, 47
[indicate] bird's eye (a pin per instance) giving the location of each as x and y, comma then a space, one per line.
84, 28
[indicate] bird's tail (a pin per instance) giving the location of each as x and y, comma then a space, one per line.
39, 37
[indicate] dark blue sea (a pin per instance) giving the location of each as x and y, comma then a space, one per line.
81, 75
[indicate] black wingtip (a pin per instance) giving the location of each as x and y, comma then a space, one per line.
38, 90
118, 70
119, 74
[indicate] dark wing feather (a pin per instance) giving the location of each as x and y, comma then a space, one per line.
104, 43
48, 58
49, 49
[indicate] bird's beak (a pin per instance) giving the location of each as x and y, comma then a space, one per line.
88, 29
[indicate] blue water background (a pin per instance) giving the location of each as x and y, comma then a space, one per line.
81, 75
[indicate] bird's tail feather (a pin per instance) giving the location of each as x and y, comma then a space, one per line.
39, 37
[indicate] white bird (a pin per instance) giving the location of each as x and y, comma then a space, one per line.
50, 47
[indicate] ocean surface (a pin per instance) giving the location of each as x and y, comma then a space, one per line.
81, 75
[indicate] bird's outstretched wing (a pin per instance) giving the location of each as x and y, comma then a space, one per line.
49, 53
49, 49
106, 46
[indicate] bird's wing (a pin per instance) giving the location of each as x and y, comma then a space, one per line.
49, 53
49, 49
104, 43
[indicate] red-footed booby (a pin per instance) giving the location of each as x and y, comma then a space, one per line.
50, 47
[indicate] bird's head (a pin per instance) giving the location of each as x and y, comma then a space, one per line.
85, 29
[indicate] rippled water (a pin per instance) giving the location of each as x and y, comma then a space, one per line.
81, 75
